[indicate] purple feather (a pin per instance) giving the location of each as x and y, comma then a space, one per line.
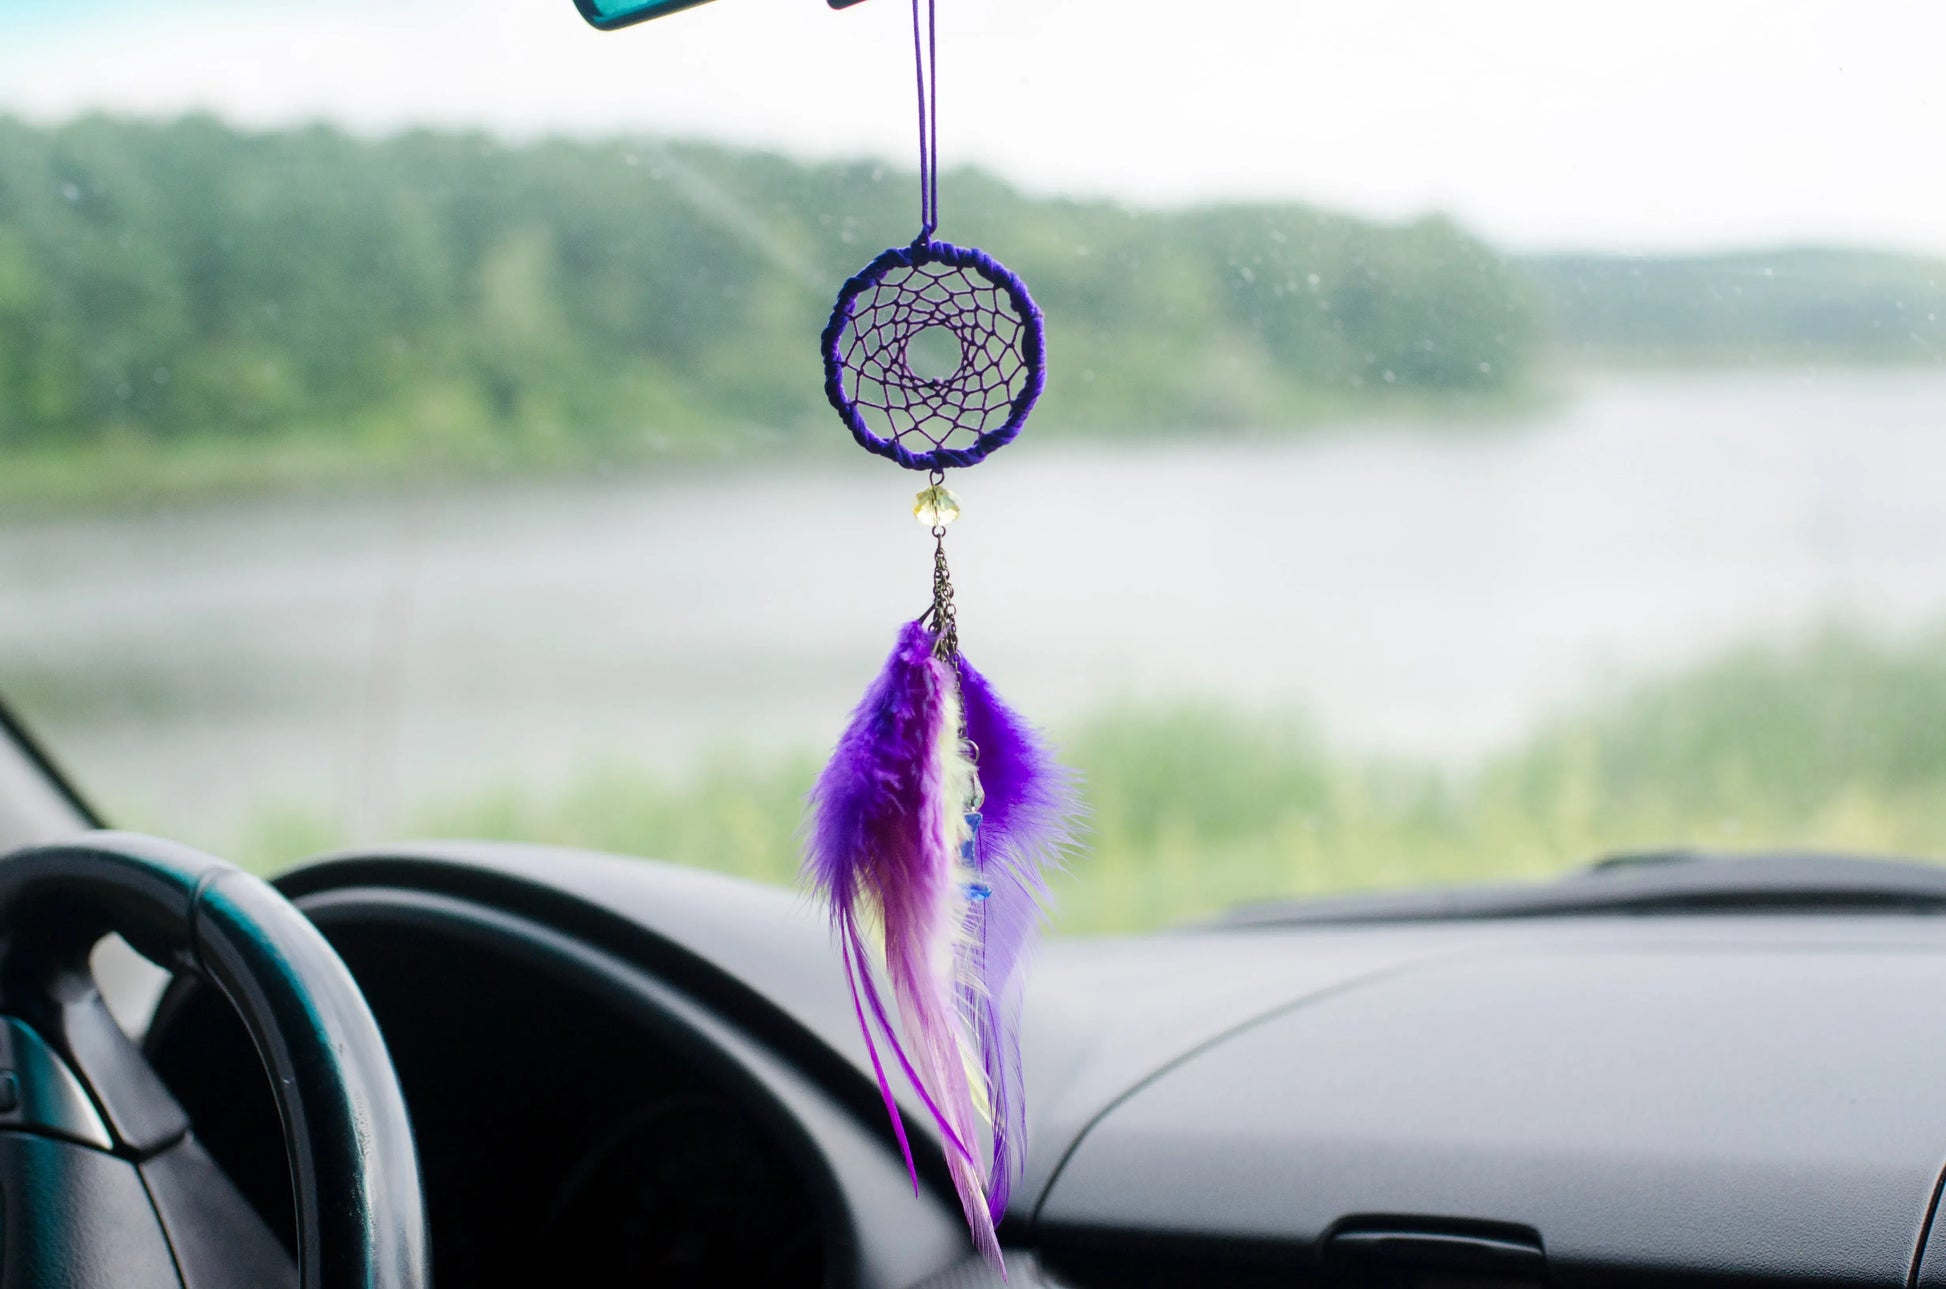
1027, 827
890, 844
886, 821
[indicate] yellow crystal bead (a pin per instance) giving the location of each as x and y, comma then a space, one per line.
935, 507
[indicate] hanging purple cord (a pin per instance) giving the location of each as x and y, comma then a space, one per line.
925, 63
951, 296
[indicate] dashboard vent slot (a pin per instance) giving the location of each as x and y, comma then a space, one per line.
1411, 1253
1363, 1252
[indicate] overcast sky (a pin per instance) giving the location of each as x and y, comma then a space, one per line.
1543, 123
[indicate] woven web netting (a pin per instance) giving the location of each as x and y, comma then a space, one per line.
898, 356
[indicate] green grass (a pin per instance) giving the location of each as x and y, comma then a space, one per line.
1836, 741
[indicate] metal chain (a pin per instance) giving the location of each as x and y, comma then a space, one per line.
943, 621
941, 617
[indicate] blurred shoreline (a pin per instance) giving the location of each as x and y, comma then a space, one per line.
1408, 594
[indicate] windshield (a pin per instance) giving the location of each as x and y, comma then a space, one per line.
1478, 438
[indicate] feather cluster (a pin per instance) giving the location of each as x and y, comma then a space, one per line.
909, 855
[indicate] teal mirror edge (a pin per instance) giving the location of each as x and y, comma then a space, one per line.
609, 15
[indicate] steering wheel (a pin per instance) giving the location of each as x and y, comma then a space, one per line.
102, 1182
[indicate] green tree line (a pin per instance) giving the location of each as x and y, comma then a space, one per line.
1812, 303
185, 280
187, 287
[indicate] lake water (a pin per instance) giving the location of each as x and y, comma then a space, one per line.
1417, 588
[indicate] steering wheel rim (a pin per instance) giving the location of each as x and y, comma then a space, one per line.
354, 1169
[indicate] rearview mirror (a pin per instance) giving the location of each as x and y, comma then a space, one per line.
607, 15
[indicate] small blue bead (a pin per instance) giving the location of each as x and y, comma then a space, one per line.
977, 891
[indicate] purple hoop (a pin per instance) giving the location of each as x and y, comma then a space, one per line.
875, 352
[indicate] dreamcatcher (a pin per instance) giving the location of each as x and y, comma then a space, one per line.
932, 828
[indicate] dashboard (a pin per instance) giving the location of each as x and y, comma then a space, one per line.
557, 1132
623, 1073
